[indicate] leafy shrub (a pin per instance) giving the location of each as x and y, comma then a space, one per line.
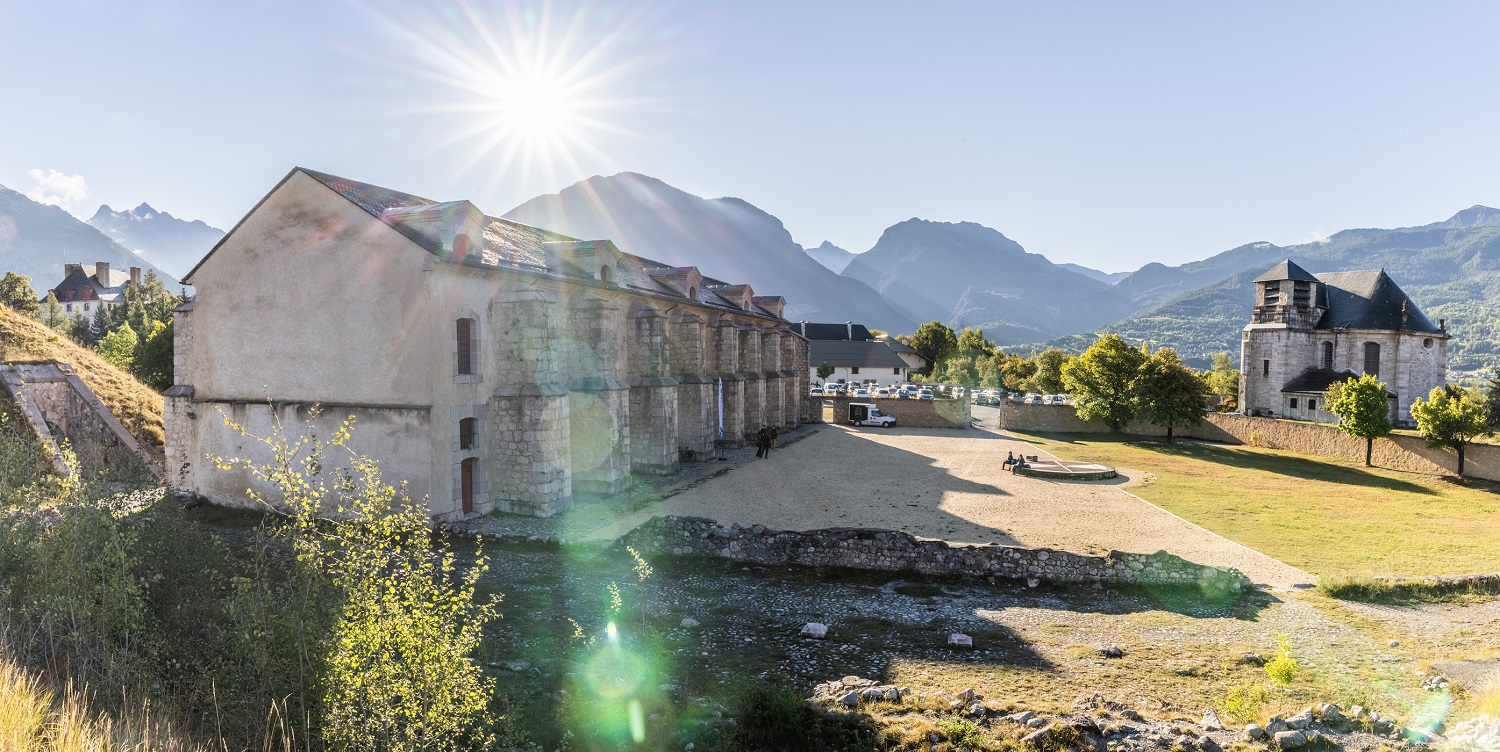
961, 732
1282, 668
1243, 702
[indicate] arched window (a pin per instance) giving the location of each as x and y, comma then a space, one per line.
468, 429
606, 274
692, 293
1328, 356
463, 335
1372, 358
461, 245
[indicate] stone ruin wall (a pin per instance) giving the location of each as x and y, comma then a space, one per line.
1397, 452
59, 407
892, 551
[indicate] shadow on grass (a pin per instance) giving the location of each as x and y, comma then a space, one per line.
1265, 461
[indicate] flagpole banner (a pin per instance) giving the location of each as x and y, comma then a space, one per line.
721, 409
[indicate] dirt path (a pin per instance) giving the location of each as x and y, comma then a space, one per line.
947, 485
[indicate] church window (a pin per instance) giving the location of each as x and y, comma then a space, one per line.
1372, 358
464, 333
467, 430
1328, 356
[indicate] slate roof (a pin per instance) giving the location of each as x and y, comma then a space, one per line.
86, 276
1369, 300
831, 332
512, 245
1286, 270
871, 354
1317, 381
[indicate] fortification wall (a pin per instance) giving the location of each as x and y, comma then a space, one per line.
908, 413
892, 551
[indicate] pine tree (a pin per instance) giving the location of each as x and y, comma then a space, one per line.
81, 329
1492, 401
52, 313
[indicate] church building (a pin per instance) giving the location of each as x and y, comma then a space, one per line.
1308, 331
488, 365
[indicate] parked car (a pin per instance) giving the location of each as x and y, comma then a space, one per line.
862, 393
925, 394
866, 414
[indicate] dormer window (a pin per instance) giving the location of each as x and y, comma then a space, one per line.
461, 246
67, 295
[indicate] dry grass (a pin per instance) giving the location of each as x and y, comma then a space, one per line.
35, 718
139, 408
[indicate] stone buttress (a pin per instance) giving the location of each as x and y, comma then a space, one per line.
697, 414
755, 384
529, 443
793, 391
653, 395
599, 402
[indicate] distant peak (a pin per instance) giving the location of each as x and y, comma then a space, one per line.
1475, 216
104, 212
144, 209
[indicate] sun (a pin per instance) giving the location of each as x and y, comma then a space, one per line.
535, 108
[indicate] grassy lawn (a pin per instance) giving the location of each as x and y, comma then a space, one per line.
1321, 514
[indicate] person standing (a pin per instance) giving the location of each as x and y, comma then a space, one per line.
771, 439
762, 442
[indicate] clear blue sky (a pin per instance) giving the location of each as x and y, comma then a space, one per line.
1108, 134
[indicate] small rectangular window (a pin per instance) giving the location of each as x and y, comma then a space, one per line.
464, 333
1294, 403
466, 431
1265, 368
854, 370
69, 307
1312, 404
896, 371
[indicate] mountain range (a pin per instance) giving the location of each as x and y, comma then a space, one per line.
37, 239
726, 238
960, 273
172, 244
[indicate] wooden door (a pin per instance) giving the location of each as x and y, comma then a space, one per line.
467, 473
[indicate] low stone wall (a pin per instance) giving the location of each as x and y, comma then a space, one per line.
58, 406
892, 551
1398, 452
908, 413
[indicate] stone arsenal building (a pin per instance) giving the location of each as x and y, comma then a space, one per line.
1308, 331
490, 365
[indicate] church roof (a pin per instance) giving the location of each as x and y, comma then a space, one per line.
1317, 381
1369, 300
1286, 270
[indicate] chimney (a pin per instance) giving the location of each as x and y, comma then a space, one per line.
135, 275
101, 272
849, 327
1442, 325
68, 269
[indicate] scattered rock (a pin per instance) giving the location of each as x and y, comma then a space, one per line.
1211, 721
1330, 712
1394, 643
872, 694
957, 640
1038, 736
1132, 715
850, 698
1032, 582
1290, 739
1036, 722
1253, 659
1254, 732
1206, 743
814, 630
1275, 725
1021, 717
689, 622
1300, 721
1111, 651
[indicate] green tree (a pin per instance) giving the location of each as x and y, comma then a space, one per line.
1047, 376
959, 368
118, 347
824, 371
1452, 417
1102, 380
1223, 379
1363, 407
148, 303
934, 342
153, 357
52, 313
1169, 393
1492, 401
17, 293
1015, 370
972, 340
81, 330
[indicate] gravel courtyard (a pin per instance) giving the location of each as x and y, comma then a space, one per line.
948, 485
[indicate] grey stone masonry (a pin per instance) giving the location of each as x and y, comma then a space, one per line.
696, 412
529, 409
888, 550
727, 339
599, 403
59, 407
653, 395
